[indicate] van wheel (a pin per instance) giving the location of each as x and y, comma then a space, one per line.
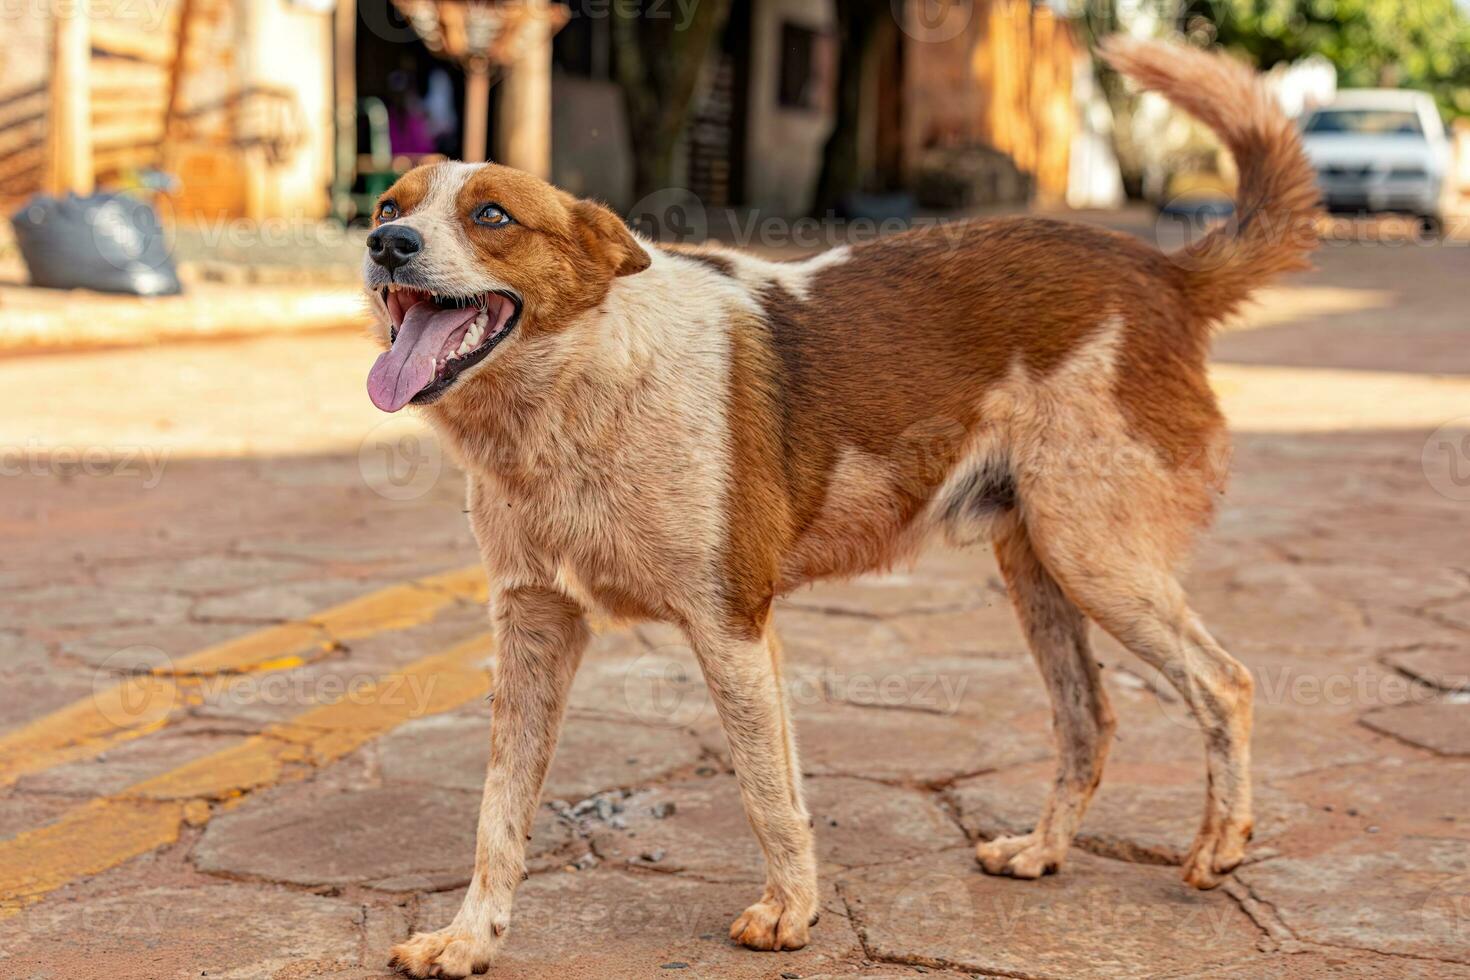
1431, 227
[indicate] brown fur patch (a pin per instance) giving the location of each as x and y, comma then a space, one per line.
531, 202
407, 191
759, 520
894, 349
705, 256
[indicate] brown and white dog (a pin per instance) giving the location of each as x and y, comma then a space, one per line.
686, 435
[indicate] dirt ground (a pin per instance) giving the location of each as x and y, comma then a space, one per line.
243, 669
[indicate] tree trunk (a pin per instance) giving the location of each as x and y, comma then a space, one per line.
1103, 17
860, 23
659, 54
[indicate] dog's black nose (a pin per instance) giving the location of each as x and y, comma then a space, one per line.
392, 245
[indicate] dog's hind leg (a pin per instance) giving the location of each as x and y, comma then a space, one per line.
541, 635
1113, 482
1082, 720
744, 681
1122, 581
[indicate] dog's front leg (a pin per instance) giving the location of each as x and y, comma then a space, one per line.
744, 678
541, 635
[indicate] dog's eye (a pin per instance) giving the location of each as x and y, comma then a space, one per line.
387, 211
492, 215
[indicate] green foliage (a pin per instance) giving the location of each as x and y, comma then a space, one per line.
1422, 44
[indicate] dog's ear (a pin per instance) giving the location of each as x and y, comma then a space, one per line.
607, 239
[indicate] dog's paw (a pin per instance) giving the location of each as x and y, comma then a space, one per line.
447, 953
1026, 856
1216, 852
773, 925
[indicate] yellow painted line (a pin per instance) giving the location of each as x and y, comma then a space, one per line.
143, 703
106, 832
401, 606
75, 845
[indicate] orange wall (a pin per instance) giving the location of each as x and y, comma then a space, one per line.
996, 72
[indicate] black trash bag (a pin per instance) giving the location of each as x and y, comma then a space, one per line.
105, 242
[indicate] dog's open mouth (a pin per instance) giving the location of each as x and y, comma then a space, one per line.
435, 338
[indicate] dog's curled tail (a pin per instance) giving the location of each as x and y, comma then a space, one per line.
1277, 204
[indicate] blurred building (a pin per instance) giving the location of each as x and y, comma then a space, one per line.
234, 98
966, 87
265, 108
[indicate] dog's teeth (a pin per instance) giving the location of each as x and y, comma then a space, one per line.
473, 336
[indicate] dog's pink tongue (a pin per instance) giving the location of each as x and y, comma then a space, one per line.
409, 367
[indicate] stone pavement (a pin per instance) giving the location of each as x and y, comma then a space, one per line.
242, 717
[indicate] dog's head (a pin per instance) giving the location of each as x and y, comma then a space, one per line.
464, 258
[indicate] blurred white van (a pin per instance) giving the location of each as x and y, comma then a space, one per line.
1380, 150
